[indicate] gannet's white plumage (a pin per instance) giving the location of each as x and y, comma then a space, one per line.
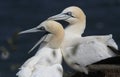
47, 61
79, 51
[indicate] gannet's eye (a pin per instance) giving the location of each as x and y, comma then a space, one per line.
41, 28
69, 14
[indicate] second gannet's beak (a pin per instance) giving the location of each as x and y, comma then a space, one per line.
61, 16
36, 29
30, 31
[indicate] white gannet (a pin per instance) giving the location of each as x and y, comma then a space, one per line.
47, 61
78, 51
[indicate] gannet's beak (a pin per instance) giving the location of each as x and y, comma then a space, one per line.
36, 30
30, 31
61, 16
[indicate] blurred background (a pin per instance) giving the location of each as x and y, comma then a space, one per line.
103, 17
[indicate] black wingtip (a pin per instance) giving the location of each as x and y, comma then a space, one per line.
114, 50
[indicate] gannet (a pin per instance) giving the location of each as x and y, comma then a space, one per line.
47, 61
78, 51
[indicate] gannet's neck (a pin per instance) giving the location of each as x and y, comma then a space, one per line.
77, 28
56, 39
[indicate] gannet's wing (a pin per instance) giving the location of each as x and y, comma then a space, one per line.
31, 62
24, 72
87, 52
27, 68
117, 52
112, 60
106, 39
55, 70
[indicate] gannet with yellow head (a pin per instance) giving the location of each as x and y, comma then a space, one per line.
75, 17
78, 51
47, 61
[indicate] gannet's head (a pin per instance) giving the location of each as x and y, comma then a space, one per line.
71, 14
48, 27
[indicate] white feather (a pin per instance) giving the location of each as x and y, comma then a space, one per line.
88, 50
47, 61
43, 58
48, 71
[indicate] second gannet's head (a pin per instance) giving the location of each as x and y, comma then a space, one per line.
71, 14
49, 27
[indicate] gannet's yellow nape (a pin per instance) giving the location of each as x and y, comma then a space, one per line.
57, 32
47, 61
74, 16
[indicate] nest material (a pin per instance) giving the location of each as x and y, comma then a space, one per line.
108, 70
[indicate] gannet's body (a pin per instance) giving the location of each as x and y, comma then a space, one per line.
42, 64
47, 61
78, 51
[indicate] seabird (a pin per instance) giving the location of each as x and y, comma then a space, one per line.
79, 52
47, 61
